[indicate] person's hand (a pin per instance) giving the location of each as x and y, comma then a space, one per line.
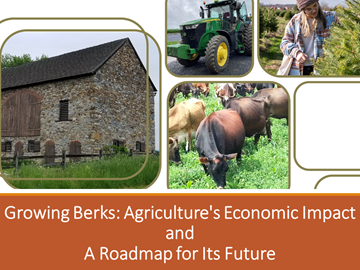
301, 57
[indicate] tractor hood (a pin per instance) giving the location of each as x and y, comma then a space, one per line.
199, 21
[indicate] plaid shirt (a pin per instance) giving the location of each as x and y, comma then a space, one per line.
292, 42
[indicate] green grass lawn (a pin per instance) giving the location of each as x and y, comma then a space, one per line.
172, 42
117, 167
265, 166
173, 31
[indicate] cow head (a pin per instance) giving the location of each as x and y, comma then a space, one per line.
195, 92
217, 167
206, 91
245, 88
174, 155
240, 89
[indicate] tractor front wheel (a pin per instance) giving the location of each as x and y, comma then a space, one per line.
189, 62
217, 54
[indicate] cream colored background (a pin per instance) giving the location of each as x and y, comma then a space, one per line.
151, 16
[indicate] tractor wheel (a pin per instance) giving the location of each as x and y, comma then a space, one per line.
248, 40
217, 54
188, 62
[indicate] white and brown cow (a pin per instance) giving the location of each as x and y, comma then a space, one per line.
224, 92
184, 119
203, 88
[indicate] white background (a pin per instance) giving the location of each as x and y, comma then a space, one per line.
151, 16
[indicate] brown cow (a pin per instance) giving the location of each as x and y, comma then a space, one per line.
255, 114
184, 119
172, 97
224, 92
278, 101
174, 155
203, 88
220, 137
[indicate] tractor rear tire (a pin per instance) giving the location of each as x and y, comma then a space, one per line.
217, 54
188, 62
248, 40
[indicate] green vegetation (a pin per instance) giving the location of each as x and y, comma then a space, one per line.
173, 31
172, 42
262, 167
288, 15
119, 166
342, 49
270, 53
8, 60
268, 22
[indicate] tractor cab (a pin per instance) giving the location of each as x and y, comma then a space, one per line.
230, 12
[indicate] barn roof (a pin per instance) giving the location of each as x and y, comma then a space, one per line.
69, 65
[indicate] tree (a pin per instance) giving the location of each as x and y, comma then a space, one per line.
268, 21
288, 15
8, 60
342, 48
296, 9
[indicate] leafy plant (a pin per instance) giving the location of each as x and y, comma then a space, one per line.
268, 22
113, 149
342, 48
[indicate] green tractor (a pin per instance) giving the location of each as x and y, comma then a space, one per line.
225, 28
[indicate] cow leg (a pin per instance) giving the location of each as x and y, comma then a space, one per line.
188, 142
238, 157
268, 130
257, 137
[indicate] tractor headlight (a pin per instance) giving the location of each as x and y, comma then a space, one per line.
188, 27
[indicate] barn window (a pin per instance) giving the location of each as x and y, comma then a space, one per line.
64, 110
6, 146
20, 115
140, 146
33, 146
118, 143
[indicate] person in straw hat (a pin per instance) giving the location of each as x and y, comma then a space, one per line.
305, 34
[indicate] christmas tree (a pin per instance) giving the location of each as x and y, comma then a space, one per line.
342, 48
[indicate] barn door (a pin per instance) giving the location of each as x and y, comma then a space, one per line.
20, 115
31, 115
19, 147
8, 117
75, 149
49, 152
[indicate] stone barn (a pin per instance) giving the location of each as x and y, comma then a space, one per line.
78, 102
